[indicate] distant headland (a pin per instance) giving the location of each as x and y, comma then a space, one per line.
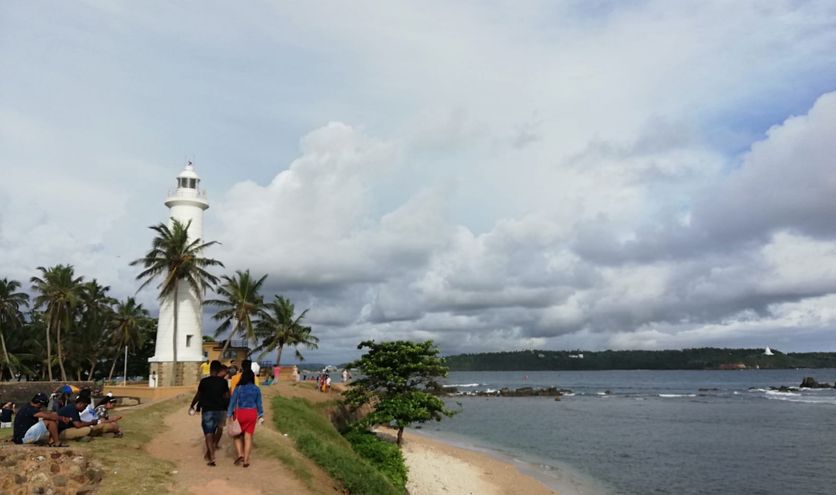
706, 358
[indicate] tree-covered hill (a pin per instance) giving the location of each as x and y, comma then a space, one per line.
687, 359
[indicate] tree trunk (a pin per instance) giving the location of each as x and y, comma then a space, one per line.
113, 367
6, 354
176, 303
61, 355
92, 368
49, 348
400, 436
279, 355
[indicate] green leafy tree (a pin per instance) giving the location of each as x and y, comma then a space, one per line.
175, 259
130, 325
59, 291
240, 304
279, 327
12, 303
395, 382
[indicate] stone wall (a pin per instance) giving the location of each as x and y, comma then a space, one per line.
186, 373
26, 470
22, 392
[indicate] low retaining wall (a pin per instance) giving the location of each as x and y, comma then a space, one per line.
22, 392
147, 394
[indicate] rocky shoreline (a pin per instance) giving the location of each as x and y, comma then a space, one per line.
807, 383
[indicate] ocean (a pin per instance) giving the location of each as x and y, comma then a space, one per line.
656, 432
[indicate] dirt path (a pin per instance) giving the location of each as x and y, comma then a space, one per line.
182, 443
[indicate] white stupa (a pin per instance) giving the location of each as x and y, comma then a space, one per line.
176, 360
768, 352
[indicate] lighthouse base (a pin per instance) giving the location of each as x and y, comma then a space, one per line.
171, 374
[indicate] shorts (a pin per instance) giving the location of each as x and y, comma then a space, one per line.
212, 420
73, 433
37, 433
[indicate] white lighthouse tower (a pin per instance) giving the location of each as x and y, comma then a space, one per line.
186, 204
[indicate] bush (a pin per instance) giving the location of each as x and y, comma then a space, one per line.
385, 456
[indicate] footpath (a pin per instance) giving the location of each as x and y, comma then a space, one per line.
181, 442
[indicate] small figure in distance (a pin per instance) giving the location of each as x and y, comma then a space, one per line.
33, 424
245, 407
6, 414
211, 399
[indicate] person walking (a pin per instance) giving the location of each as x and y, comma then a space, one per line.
211, 399
245, 407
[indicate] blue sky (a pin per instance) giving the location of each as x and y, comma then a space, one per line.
503, 175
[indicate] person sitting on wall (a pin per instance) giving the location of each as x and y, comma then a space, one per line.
33, 424
75, 428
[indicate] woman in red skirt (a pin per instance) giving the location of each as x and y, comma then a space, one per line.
245, 406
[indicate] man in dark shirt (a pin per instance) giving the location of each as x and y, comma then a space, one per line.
212, 399
75, 428
34, 425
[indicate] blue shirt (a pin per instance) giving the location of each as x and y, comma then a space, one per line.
245, 397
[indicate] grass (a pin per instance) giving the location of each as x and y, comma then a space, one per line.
289, 459
316, 438
129, 469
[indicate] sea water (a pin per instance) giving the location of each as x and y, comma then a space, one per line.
657, 432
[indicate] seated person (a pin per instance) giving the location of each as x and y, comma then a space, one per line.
101, 413
33, 424
76, 428
6, 414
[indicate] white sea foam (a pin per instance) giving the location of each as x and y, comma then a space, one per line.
464, 385
674, 396
804, 400
782, 394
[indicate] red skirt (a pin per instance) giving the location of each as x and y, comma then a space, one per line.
247, 418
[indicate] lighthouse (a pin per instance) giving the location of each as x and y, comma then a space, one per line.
186, 204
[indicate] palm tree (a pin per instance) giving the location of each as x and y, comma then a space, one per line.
59, 291
240, 304
279, 328
129, 321
175, 258
11, 315
95, 316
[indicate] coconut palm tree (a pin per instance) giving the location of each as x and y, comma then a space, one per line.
95, 314
279, 327
176, 259
241, 304
130, 323
58, 291
11, 315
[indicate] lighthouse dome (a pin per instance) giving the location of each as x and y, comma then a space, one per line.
188, 178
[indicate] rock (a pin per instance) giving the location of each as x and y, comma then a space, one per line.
39, 479
810, 382
54, 468
59, 480
20, 479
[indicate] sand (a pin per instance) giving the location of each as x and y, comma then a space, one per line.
439, 468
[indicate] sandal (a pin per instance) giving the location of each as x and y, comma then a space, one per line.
118, 434
246, 464
57, 445
211, 463
239, 461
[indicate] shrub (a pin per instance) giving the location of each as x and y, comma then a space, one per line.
385, 456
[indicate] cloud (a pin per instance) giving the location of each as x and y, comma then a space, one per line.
564, 174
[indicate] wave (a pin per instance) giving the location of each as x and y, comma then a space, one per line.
673, 396
464, 385
806, 400
782, 394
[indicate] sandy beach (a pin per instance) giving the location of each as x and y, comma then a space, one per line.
439, 468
